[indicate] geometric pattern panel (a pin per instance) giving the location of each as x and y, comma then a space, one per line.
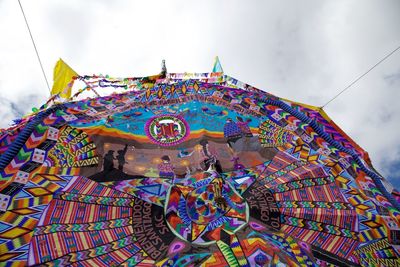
190, 170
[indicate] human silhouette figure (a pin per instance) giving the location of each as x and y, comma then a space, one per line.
108, 164
121, 158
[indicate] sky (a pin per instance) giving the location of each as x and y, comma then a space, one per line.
306, 51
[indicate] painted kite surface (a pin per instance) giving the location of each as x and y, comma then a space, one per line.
190, 170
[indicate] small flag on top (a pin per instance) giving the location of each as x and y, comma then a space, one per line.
217, 65
63, 79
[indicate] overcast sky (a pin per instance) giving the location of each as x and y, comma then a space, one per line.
306, 51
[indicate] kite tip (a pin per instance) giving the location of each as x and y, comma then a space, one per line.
163, 68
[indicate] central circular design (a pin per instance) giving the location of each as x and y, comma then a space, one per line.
201, 205
167, 129
200, 211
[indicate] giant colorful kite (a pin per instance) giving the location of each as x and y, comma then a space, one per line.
189, 169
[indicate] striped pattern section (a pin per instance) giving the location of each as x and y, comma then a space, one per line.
319, 226
341, 246
310, 202
324, 193
87, 224
345, 219
302, 183
77, 212
315, 204
69, 242
24, 213
110, 201
81, 227
85, 186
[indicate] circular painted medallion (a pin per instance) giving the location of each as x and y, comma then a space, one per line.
167, 130
201, 211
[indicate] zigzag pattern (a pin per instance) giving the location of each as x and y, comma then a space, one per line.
25, 152
302, 184
6, 140
93, 252
327, 127
374, 248
267, 178
183, 87
20, 159
52, 119
110, 201
315, 204
86, 148
36, 137
135, 259
80, 227
319, 227
86, 162
272, 135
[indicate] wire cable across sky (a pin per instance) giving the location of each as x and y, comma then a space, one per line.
34, 45
361, 76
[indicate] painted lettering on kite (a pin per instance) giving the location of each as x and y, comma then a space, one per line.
150, 229
262, 205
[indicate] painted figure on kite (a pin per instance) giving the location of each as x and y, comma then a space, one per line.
121, 158
108, 164
165, 168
